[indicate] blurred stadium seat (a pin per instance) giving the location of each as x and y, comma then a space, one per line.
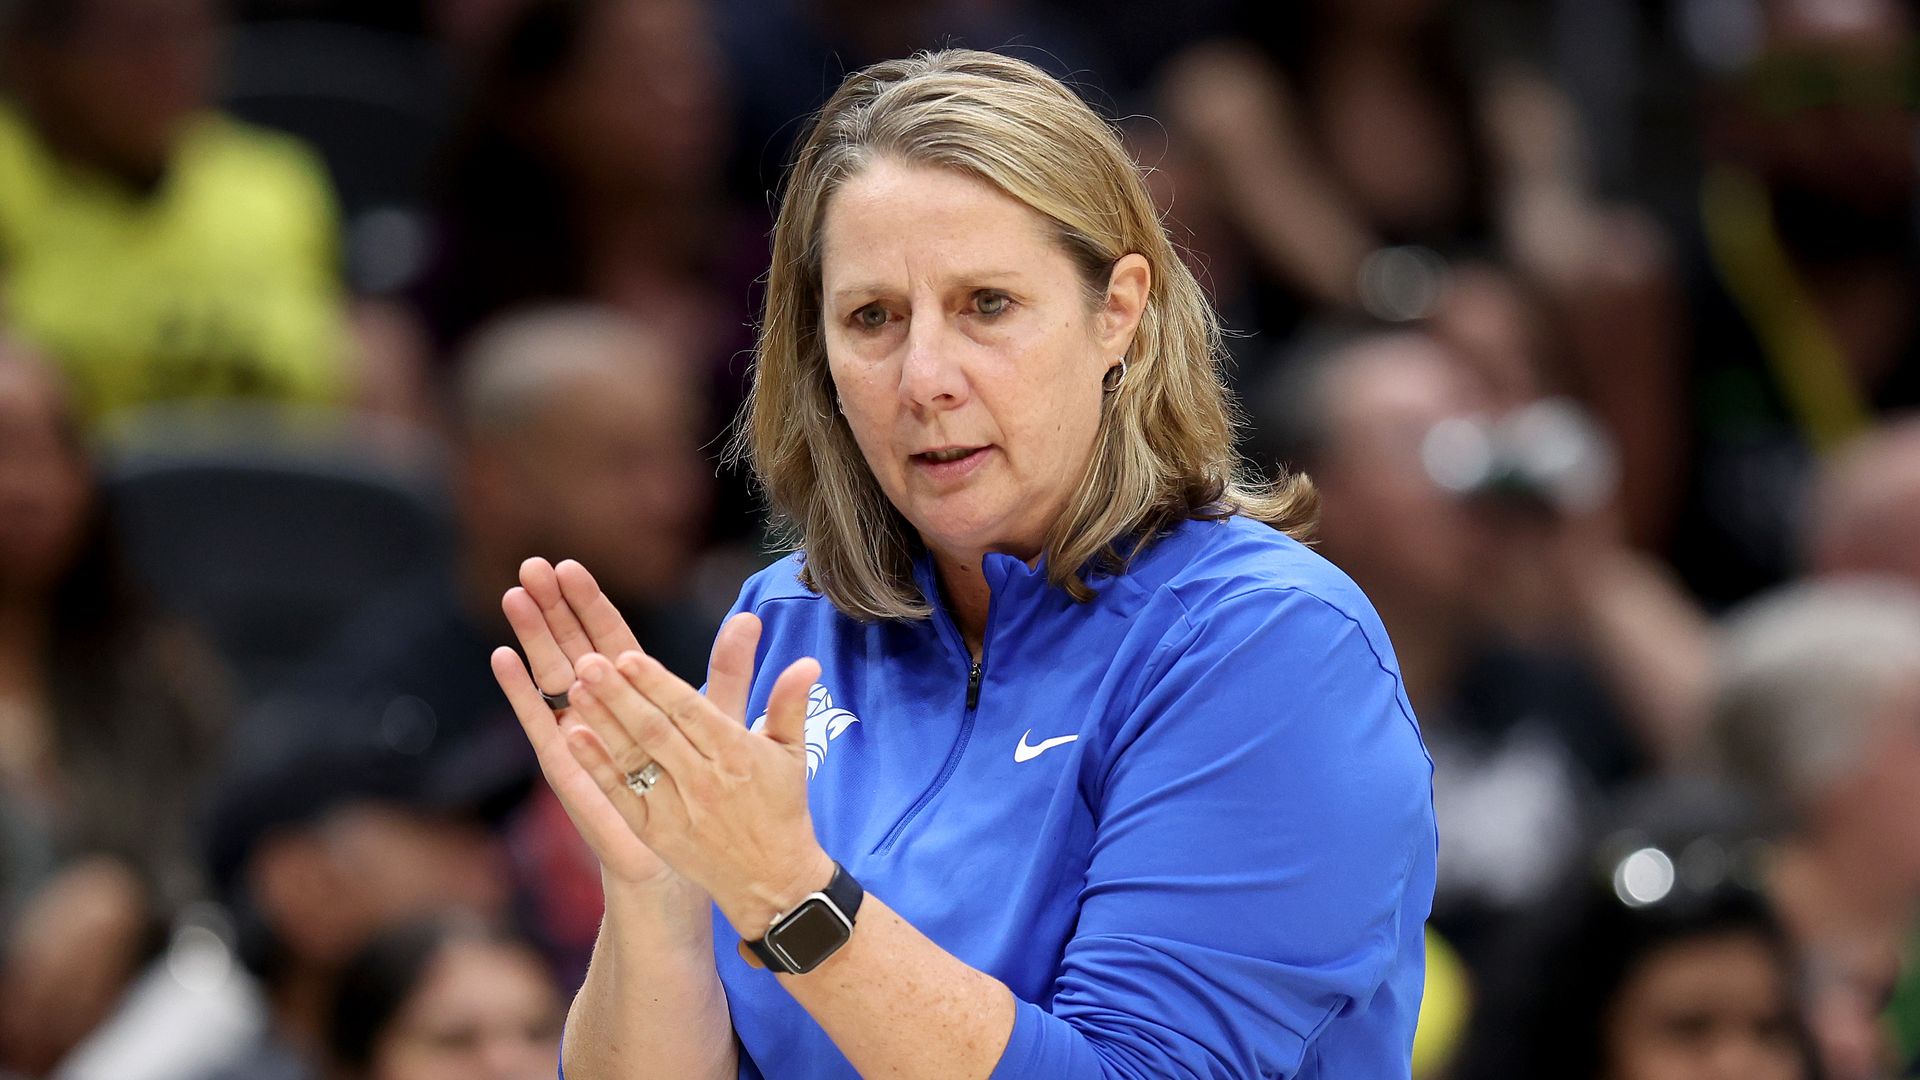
374, 104
267, 531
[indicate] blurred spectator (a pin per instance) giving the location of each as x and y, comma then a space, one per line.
1521, 741
107, 720
1490, 324
1329, 132
1662, 961
577, 436
446, 1001
317, 854
588, 167
1807, 292
581, 435
1535, 646
155, 249
1603, 329
1339, 158
1865, 512
1818, 711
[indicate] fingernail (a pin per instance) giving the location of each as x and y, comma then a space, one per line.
594, 672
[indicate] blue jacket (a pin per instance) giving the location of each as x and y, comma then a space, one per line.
1189, 823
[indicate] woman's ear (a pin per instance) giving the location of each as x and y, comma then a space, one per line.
1127, 287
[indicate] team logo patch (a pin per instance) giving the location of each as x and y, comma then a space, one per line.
824, 724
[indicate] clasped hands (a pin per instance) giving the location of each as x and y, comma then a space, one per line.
729, 815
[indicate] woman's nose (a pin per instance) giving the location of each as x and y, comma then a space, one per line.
931, 375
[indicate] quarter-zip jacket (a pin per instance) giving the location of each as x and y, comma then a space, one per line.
1189, 822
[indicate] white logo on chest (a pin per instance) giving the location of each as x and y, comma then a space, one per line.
1028, 751
824, 724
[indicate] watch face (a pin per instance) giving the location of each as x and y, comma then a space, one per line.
810, 934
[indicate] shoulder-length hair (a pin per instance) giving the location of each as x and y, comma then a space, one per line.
1165, 449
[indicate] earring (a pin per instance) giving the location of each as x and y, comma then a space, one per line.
1116, 374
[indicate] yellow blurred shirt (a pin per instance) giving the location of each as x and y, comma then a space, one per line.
222, 282
1444, 1010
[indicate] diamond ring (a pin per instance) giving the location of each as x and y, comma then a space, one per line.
641, 780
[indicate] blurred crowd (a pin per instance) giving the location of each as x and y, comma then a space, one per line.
1594, 321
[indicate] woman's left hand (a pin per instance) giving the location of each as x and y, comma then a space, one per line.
729, 811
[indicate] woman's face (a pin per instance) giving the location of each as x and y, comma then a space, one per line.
966, 352
484, 1011
46, 491
1713, 1008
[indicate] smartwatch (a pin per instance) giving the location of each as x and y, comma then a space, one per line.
803, 938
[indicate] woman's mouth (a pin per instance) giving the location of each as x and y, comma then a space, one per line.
941, 457
951, 463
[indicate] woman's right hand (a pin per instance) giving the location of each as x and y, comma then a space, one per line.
559, 615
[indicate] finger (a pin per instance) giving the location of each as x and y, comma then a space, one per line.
595, 762
606, 631
618, 739
787, 703
537, 577
535, 718
633, 729
622, 693
697, 720
730, 671
598, 820
552, 671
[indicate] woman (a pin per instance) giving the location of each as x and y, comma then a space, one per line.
107, 716
1128, 776
445, 1001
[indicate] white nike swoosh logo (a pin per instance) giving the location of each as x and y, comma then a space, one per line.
1024, 752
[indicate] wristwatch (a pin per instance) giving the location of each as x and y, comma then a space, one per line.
804, 937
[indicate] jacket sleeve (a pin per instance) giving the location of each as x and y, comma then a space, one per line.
1262, 816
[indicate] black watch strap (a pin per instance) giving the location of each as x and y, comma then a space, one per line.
844, 894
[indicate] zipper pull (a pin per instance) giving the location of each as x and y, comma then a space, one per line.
973, 685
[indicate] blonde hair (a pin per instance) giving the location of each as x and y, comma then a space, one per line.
1165, 449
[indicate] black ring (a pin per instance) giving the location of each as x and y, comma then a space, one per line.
556, 702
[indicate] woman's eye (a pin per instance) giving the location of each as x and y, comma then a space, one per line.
871, 317
987, 302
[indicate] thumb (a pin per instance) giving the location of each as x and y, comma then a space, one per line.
787, 703
730, 673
